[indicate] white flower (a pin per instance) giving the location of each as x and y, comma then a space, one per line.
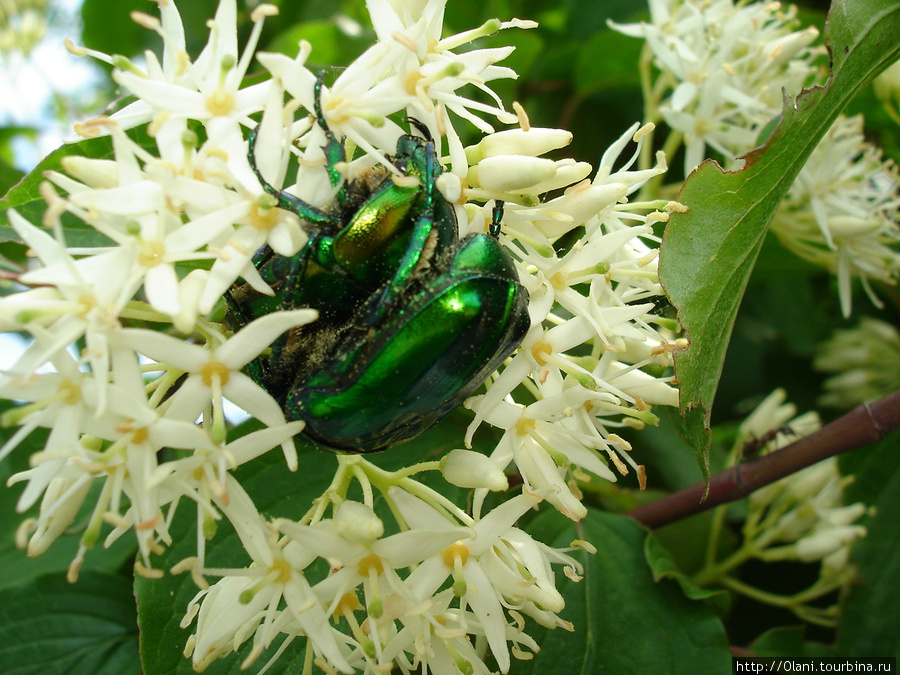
439, 589
407, 617
474, 583
216, 373
804, 513
79, 300
249, 602
798, 518
409, 53
545, 441
115, 445
160, 218
62, 500
362, 557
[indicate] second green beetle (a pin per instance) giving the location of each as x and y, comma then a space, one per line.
412, 319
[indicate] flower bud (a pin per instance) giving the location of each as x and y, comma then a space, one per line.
64, 496
357, 522
812, 481
826, 541
568, 172
511, 173
772, 413
450, 186
652, 390
190, 291
534, 142
469, 469
95, 173
787, 47
851, 226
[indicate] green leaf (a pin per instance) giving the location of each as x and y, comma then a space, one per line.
665, 567
86, 628
9, 175
624, 621
870, 613
25, 196
788, 641
708, 253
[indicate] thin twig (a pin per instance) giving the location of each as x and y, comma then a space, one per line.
864, 425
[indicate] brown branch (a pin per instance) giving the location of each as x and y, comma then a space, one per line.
864, 425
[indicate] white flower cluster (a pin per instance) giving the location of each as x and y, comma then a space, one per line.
864, 362
801, 517
127, 355
722, 67
721, 71
598, 293
84, 375
806, 515
841, 211
772, 425
425, 595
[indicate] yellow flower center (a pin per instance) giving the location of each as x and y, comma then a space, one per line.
263, 218
456, 552
151, 253
220, 103
214, 369
347, 604
525, 426
371, 564
70, 391
541, 351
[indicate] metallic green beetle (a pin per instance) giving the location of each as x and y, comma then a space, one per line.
412, 319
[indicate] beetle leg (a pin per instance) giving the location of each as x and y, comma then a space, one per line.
496, 219
333, 148
418, 255
287, 201
421, 128
420, 251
